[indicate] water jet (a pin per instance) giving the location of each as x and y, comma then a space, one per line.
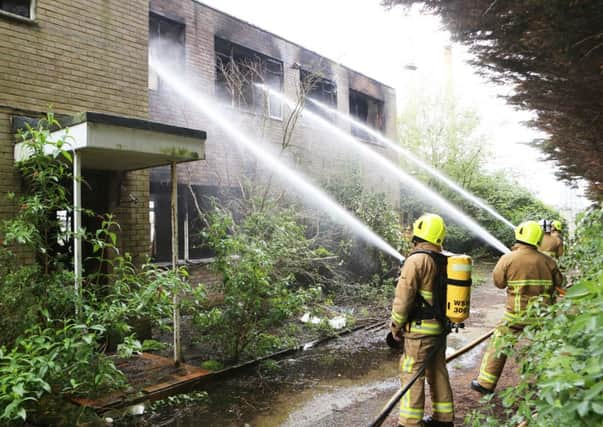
318, 198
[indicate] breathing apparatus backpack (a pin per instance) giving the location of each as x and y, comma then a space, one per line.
451, 293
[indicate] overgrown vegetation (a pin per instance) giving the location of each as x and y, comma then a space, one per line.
561, 370
374, 209
54, 340
278, 259
262, 259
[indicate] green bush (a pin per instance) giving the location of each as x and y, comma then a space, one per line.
561, 369
258, 259
62, 359
40, 355
374, 210
447, 136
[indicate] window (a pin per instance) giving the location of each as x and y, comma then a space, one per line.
166, 43
367, 110
238, 70
189, 223
319, 89
18, 8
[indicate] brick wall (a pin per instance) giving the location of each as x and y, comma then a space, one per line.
78, 56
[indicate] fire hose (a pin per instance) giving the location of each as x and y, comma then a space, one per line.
396, 397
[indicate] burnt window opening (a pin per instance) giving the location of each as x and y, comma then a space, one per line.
166, 44
190, 225
368, 111
238, 72
20, 8
319, 89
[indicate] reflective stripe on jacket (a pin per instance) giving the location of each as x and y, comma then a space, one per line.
418, 275
527, 274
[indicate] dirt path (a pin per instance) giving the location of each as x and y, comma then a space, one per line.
355, 403
487, 304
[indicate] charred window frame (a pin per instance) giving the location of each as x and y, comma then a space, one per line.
369, 111
23, 10
320, 89
166, 43
238, 70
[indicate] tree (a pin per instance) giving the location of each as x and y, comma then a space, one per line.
551, 51
446, 136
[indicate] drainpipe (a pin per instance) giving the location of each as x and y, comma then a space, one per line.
77, 226
176, 298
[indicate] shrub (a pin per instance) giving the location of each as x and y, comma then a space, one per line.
561, 370
257, 259
40, 355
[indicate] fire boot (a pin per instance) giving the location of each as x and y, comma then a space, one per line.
430, 422
479, 388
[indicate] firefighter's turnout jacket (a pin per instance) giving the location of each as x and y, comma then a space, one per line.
526, 274
552, 244
418, 277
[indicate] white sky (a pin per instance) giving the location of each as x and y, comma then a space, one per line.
364, 36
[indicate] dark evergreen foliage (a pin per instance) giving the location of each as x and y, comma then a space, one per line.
552, 51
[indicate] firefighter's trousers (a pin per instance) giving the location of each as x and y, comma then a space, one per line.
415, 354
492, 365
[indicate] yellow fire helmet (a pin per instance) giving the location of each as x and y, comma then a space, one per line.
557, 225
529, 232
431, 228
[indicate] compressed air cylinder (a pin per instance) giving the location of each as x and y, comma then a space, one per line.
458, 288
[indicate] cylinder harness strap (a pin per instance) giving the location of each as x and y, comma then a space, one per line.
437, 310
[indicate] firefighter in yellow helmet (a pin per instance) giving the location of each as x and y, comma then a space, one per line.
552, 243
527, 274
414, 318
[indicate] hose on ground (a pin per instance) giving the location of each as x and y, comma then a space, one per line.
396, 397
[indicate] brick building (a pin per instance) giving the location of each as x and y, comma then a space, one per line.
94, 57
205, 45
75, 59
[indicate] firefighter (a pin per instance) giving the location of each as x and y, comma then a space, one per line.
552, 244
414, 318
527, 274
557, 230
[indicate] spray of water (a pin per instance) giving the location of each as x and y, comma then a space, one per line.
386, 164
411, 157
314, 195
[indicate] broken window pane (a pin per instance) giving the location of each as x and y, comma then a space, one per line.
368, 111
319, 89
238, 69
166, 44
274, 80
17, 7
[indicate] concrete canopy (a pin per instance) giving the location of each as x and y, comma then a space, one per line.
105, 142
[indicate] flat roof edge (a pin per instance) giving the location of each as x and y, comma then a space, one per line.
19, 122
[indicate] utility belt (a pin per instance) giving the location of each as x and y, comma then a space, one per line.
422, 310
423, 319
